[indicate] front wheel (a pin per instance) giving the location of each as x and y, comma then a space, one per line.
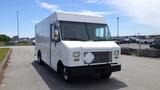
66, 75
106, 75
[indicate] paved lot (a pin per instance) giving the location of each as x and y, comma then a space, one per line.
24, 73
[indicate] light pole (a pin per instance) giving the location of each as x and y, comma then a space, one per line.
18, 25
118, 27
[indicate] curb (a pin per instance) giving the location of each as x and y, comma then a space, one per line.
4, 64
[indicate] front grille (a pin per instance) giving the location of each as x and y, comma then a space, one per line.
101, 57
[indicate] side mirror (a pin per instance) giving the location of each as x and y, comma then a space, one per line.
55, 32
56, 35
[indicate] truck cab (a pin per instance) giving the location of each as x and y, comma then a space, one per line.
75, 44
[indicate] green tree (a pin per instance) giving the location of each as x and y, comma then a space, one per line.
4, 38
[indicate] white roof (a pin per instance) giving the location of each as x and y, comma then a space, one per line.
63, 16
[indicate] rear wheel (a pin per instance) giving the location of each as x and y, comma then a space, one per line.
106, 75
40, 59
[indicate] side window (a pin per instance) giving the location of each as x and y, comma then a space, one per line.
99, 32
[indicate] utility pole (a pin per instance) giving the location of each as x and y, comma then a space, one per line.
18, 25
117, 27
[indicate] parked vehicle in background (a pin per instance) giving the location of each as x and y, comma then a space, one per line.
155, 44
150, 41
124, 41
75, 44
144, 41
138, 40
133, 39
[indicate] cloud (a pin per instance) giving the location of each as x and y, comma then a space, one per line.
88, 12
35, 21
91, 1
142, 11
54, 7
51, 7
96, 13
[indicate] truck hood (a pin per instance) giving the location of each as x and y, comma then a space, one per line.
90, 44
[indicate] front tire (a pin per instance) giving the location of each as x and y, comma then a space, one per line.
66, 75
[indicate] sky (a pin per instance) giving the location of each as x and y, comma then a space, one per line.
136, 16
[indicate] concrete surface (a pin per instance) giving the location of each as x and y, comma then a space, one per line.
24, 73
20, 74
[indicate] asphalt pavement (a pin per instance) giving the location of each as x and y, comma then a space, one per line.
24, 73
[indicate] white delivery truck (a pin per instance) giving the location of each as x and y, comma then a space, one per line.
76, 44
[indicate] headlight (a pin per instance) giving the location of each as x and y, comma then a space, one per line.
76, 54
116, 52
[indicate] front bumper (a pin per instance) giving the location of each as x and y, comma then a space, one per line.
93, 69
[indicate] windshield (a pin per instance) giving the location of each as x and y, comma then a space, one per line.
84, 31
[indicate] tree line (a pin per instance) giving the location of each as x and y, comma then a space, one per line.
4, 38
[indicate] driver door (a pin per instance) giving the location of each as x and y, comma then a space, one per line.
54, 49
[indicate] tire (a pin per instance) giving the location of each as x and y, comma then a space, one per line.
66, 75
60, 68
106, 75
40, 59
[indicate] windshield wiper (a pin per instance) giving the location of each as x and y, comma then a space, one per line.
74, 39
